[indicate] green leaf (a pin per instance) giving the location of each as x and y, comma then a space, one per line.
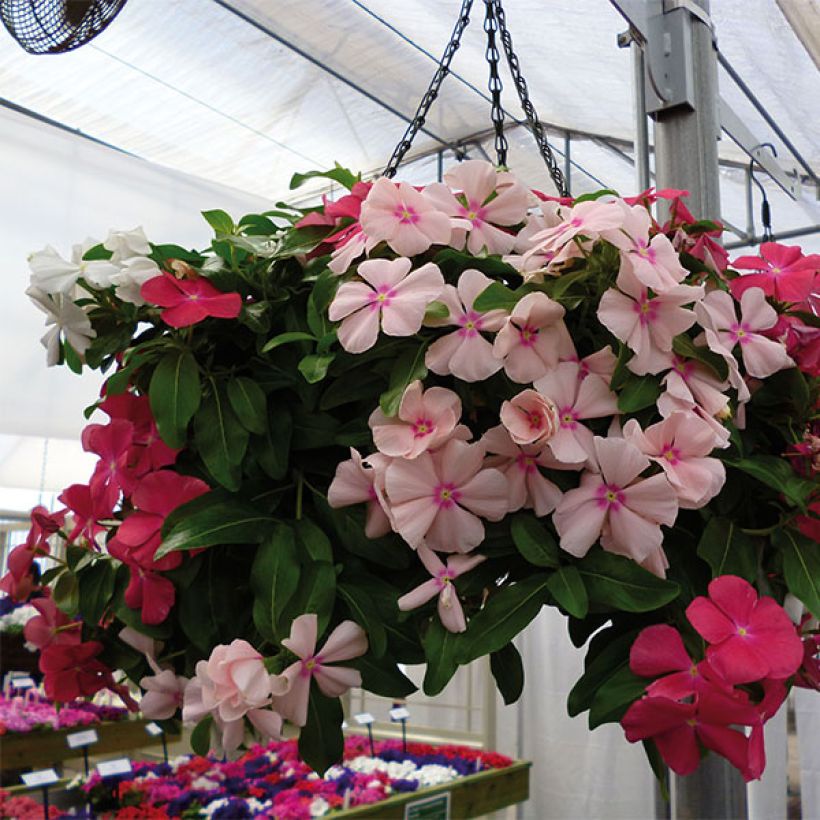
316, 592
272, 450
621, 584
777, 473
453, 263
504, 615
364, 612
249, 403
685, 347
409, 367
567, 587
496, 296
220, 439
219, 221
314, 366
440, 650
72, 359
659, 767
621, 372
96, 590
801, 566
321, 742
383, 677
175, 394
436, 310
727, 550
201, 736
508, 671
97, 252
613, 698
257, 225
287, 338
590, 197
314, 541
338, 174
638, 392
66, 593
534, 541
275, 578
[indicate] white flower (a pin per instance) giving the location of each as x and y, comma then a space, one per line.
15, 620
68, 319
319, 807
134, 273
125, 244
50, 273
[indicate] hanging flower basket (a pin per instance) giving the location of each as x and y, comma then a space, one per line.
389, 430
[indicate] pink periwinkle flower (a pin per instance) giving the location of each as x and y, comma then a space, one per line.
390, 297
575, 399
361, 481
600, 363
690, 383
533, 338
425, 421
465, 353
347, 641
531, 259
479, 197
529, 417
404, 218
616, 505
164, 694
438, 497
441, 584
646, 323
724, 331
681, 444
780, 271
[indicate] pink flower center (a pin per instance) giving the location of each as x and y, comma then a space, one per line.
576, 222
474, 212
775, 270
371, 492
310, 666
528, 335
693, 671
739, 332
406, 215
610, 496
671, 453
683, 367
192, 297
643, 250
381, 297
525, 463
742, 631
445, 577
568, 418
646, 309
446, 495
470, 323
422, 427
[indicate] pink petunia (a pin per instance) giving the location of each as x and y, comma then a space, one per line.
345, 642
408, 221
575, 399
481, 198
647, 324
361, 481
425, 421
533, 339
390, 297
188, 301
465, 353
780, 271
441, 584
529, 417
724, 331
616, 505
681, 444
437, 498
750, 638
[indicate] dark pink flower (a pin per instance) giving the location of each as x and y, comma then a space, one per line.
89, 504
188, 301
781, 271
112, 443
51, 626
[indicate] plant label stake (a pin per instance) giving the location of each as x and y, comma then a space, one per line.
400, 714
155, 730
366, 719
82, 740
43, 778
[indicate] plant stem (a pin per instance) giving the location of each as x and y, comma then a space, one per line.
300, 486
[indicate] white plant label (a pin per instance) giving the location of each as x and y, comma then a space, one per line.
43, 777
79, 739
154, 729
22, 683
399, 713
364, 718
108, 768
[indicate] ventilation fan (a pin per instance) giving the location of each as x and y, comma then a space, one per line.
55, 26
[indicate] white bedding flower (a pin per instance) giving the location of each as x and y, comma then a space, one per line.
131, 277
319, 807
15, 620
51, 273
125, 244
69, 321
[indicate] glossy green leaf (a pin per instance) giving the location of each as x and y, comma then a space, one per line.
727, 550
220, 439
638, 392
315, 365
613, 698
287, 338
409, 367
96, 589
219, 221
440, 651
508, 670
496, 297
567, 587
249, 403
66, 593
321, 742
272, 450
534, 541
275, 577
364, 612
801, 566
685, 347
338, 174
777, 473
383, 677
201, 736
175, 394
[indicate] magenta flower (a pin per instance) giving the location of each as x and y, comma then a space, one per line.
113, 444
425, 421
50, 626
441, 584
347, 641
751, 638
529, 417
465, 353
616, 505
533, 338
404, 218
724, 331
681, 444
89, 504
437, 498
647, 324
575, 399
188, 301
360, 481
484, 198
390, 297
780, 271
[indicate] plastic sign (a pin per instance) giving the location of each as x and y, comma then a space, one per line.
109, 768
364, 719
22, 683
431, 808
399, 713
40, 778
79, 739
154, 729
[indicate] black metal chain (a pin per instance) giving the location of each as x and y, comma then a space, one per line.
432, 91
494, 84
529, 111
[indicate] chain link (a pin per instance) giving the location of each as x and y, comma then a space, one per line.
432, 91
529, 111
494, 84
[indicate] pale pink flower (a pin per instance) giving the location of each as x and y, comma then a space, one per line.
163, 696
529, 417
441, 584
681, 445
426, 419
647, 324
404, 218
616, 505
347, 641
600, 363
361, 481
527, 486
530, 259
724, 331
390, 297
575, 399
692, 383
465, 353
345, 255
480, 197
438, 497
533, 338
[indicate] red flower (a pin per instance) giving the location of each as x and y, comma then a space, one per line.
781, 271
72, 670
150, 592
802, 342
188, 301
751, 638
89, 504
50, 626
112, 443
808, 676
18, 582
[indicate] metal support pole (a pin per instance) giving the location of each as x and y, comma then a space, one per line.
750, 205
641, 122
568, 161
